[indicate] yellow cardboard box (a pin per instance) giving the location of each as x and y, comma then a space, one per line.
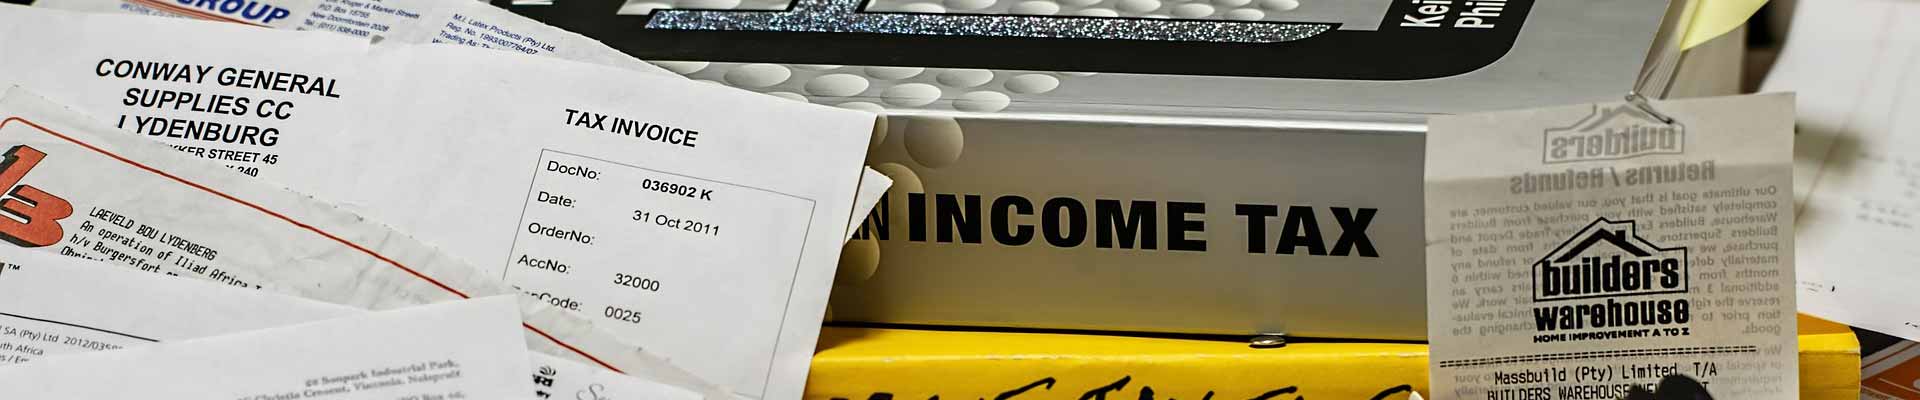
881, 364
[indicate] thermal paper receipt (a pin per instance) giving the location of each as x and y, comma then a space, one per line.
1862, 212
52, 305
1579, 252
77, 187
699, 221
462, 350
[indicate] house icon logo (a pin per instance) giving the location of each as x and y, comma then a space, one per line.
1613, 133
1609, 259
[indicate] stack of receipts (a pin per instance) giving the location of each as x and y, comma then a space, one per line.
627, 222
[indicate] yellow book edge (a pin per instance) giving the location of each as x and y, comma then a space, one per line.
882, 364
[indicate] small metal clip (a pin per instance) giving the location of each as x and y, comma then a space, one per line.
1641, 103
1269, 341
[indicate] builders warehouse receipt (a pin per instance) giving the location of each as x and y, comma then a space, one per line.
1577, 252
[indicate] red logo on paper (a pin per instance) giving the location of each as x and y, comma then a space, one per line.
32, 216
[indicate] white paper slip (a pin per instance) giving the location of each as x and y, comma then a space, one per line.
873, 185
77, 187
461, 350
559, 378
699, 221
278, 14
1847, 61
90, 306
1859, 65
464, 22
1580, 252
478, 24
236, 95
9, 12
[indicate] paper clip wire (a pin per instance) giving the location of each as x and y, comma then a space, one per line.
1641, 103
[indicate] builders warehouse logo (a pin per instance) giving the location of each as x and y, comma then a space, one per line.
1608, 277
1615, 133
